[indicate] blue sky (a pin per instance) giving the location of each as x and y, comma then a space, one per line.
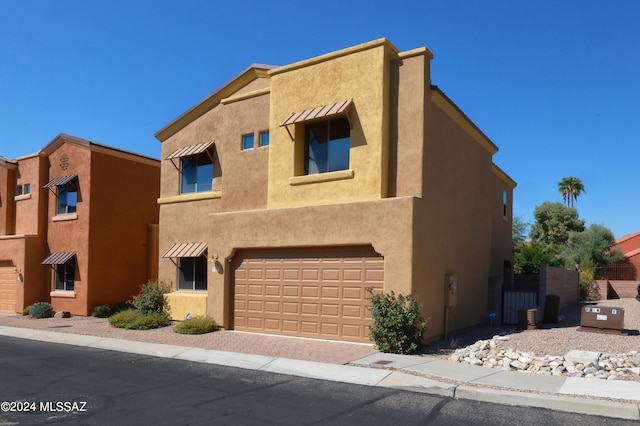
555, 84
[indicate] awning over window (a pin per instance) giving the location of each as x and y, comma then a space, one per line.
60, 181
186, 250
190, 150
324, 111
58, 258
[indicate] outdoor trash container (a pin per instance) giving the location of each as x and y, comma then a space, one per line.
551, 309
527, 319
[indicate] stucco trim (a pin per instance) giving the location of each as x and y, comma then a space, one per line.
63, 293
321, 177
503, 176
63, 217
248, 95
22, 197
190, 197
448, 107
420, 51
333, 55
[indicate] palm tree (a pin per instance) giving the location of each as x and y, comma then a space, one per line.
570, 188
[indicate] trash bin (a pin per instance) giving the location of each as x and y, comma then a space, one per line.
527, 319
551, 309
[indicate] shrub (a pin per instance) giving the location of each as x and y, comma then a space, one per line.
589, 290
151, 297
101, 311
149, 321
121, 306
398, 326
197, 325
41, 310
122, 318
134, 320
25, 311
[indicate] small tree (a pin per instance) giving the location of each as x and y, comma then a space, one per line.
531, 256
398, 326
554, 222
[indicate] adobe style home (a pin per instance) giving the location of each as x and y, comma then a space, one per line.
78, 226
290, 190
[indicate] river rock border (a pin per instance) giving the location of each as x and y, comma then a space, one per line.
625, 366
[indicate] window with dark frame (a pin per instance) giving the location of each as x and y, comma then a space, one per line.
192, 273
67, 198
65, 275
327, 146
196, 173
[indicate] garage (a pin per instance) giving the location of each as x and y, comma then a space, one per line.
8, 281
317, 293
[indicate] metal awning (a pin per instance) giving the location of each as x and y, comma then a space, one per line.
324, 111
186, 250
60, 181
58, 258
190, 150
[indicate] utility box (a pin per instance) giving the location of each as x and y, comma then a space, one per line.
602, 318
451, 291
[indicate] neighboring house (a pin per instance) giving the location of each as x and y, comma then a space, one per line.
78, 226
290, 190
622, 279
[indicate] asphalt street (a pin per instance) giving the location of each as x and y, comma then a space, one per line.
49, 383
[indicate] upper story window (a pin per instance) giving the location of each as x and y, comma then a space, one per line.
195, 165
196, 173
66, 192
264, 138
505, 204
327, 145
67, 198
247, 141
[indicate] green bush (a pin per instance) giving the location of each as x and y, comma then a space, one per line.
149, 321
41, 310
101, 311
398, 327
151, 297
122, 318
25, 311
197, 325
134, 320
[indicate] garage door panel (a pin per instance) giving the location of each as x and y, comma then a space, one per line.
8, 280
309, 292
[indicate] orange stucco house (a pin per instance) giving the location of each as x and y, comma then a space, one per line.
78, 226
290, 190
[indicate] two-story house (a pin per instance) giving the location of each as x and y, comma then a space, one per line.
78, 226
290, 190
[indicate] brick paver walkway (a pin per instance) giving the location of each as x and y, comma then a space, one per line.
233, 341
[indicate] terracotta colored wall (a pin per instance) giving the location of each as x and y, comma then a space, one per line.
7, 188
72, 235
29, 208
123, 205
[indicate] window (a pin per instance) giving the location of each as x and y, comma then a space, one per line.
327, 145
67, 199
19, 190
247, 141
192, 273
197, 173
27, 188
65, 275
505, 199
264, 138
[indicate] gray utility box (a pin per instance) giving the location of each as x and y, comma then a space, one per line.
602, 317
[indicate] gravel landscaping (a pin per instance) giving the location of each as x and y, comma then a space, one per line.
543, 350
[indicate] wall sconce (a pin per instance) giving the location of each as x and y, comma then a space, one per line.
20, 278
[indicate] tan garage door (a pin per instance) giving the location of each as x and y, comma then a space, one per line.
8, 282
317, 293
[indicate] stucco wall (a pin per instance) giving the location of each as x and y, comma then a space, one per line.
119, 260
362, 76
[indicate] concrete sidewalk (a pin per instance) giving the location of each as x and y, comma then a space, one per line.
410, 372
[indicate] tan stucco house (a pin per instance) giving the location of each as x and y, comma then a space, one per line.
78, 226
289, 190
